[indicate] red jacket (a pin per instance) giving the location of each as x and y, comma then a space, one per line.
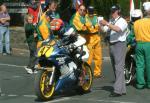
34, 13
42, 1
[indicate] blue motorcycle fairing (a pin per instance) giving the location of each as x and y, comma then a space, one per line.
66, 82
60, 56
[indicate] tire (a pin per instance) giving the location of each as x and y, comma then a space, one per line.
129, 70
43, 90
86, 83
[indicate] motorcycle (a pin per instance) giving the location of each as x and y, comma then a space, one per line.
59, 69
130, 65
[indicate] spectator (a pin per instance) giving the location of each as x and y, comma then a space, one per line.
52, 7
30, 38
33, 9
117, 28
43, 4
78, 20
142, 36
4, 30
75, 5
93, 42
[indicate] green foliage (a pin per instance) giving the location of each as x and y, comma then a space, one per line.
125, 7
102, 7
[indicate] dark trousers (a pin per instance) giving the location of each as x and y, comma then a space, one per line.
117, 53
33, 58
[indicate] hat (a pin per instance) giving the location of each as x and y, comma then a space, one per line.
115, 8
136, 13
146, 6
91, 10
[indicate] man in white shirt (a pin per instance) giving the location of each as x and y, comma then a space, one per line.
117, 30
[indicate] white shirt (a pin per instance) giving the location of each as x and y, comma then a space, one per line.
119, 36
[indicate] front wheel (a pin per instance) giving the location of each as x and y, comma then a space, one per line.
43, 90
85, 79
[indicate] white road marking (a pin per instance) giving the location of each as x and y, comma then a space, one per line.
12, 65
58, 100
69, 98
30, 96
16, 76
62, 99
18, 66
2, 94
15, 95
100, 100
12, 95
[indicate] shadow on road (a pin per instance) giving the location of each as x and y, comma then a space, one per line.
105, 88
61, 95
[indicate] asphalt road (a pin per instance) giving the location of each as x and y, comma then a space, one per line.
17, 86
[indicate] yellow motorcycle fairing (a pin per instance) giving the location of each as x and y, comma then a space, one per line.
45, 51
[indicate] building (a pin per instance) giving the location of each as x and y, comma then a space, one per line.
17, 10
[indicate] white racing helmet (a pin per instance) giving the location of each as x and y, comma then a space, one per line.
136, 14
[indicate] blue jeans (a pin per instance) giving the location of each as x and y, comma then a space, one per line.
4, 36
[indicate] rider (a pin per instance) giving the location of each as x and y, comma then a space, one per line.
43, 28
47, 26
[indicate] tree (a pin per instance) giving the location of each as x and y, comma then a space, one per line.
102, 7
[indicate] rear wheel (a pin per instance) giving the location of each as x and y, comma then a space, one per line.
43, 90
129, 70
85, 79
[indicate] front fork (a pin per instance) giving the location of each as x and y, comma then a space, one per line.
52, 75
